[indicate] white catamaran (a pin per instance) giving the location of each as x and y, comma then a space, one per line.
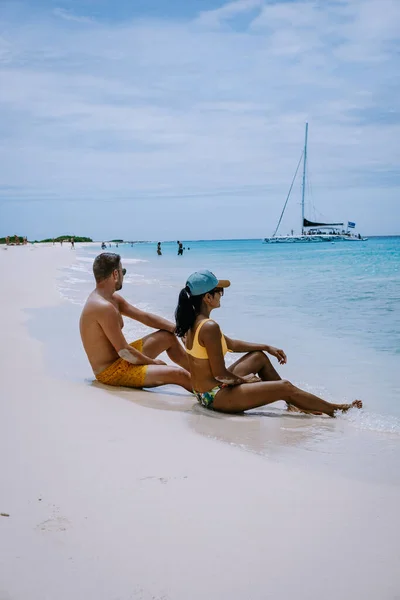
312, 231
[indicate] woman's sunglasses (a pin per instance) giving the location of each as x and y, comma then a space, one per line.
217, 290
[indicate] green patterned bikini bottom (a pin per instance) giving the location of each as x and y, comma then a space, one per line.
207, 398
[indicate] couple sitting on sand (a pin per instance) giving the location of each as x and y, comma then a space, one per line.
250, 382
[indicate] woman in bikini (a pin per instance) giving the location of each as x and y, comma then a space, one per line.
252, 380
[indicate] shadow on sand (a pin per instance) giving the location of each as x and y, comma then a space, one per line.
262, 431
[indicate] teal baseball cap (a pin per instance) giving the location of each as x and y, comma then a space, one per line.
204, 281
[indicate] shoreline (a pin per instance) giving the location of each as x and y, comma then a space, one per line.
108, 499
97, 243
348, 446
321, 347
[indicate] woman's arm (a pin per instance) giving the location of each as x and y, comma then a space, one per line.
210, 338
240, 346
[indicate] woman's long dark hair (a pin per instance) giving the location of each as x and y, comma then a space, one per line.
186, 312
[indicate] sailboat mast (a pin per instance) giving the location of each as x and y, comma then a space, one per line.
304, 180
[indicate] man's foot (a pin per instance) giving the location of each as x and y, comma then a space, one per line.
345, 407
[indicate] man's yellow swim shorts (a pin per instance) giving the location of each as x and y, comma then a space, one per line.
122, 372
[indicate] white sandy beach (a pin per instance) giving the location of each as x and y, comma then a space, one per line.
112, 500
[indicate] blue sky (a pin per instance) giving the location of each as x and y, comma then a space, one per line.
162, 119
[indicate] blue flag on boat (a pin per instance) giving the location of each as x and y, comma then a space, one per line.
351, 225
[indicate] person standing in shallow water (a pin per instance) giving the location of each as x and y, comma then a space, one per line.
251, 381
159, 249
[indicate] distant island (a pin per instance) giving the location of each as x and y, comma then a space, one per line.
65, 238
60, 238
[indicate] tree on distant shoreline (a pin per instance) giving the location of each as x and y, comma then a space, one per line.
3, 240
64, 238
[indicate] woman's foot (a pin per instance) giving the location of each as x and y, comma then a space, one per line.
292, 408
345, 407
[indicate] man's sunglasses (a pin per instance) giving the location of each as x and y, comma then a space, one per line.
123, 271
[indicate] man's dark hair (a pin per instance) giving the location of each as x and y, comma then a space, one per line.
104, 264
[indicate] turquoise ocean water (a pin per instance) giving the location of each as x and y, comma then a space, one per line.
333, 308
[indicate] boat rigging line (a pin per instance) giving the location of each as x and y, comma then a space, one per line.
288, 196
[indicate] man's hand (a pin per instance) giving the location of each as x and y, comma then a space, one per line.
157, 361
251, 378
279, 354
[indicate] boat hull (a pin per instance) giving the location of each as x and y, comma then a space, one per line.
307, 239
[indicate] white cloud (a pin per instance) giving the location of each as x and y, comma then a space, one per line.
164, 109
216, 17
68, 16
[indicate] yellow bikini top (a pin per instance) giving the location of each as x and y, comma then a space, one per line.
198, 351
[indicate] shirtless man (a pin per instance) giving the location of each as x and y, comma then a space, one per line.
113, 360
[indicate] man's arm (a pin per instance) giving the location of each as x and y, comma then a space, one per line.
240, 346
146, 318
108, 320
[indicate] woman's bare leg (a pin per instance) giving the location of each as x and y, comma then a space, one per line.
253, 395
255, 362
259, 363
